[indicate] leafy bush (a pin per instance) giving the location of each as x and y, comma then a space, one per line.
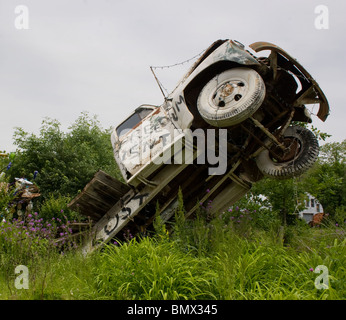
33, 243
340, 216
56, 207
64, 162
24, 240
6, 197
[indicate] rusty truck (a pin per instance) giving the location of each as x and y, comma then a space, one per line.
232, 119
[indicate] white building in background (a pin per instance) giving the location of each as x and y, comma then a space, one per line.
312, 206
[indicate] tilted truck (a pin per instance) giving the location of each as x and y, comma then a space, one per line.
230, 121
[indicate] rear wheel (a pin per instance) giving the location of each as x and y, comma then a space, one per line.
300, 154
231, 97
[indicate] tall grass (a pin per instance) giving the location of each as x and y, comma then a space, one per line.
153, 269
219, 261
234, 256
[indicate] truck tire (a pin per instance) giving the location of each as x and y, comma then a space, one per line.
302, 154
231, 97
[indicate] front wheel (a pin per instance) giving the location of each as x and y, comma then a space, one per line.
300, 154
231, 97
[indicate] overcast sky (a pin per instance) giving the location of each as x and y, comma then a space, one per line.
94, 55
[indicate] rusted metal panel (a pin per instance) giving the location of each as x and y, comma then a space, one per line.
314, 94
220, 50
140, 145
229, 195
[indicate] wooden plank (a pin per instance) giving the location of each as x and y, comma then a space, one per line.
92, 199
97, 199
89, 210
99, 195
76, 201
105, 192
119, 186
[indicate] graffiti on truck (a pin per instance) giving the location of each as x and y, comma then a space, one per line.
130, 205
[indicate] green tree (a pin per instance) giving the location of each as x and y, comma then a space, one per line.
326, 180
62, 163
285, 196
6, 161
6, 194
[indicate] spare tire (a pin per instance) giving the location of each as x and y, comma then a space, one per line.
231, 97
301, 153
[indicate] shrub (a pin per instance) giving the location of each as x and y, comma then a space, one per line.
6, 197
24, 240
340, 216
34, 243
63, 162
56, 207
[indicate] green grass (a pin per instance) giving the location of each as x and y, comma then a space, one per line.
153, 269
225, 259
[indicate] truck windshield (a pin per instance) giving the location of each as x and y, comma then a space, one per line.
133, 120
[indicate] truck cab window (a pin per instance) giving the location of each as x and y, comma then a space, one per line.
133, 120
